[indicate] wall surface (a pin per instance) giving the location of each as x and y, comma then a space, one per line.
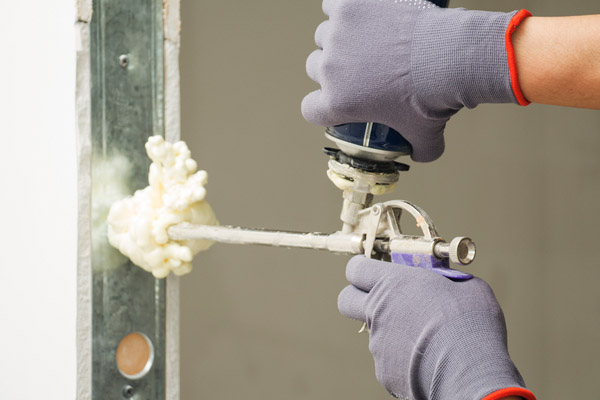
262, 323
38, 201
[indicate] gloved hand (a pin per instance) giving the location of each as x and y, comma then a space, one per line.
431, 338
410, 65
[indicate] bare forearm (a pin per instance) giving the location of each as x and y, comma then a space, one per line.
558, 60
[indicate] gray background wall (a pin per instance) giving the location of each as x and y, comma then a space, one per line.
262, 323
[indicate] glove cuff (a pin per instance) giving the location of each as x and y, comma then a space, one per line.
462, 58
466, 359
512, 60
504, 393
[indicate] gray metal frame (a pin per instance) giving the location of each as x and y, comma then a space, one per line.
127, 102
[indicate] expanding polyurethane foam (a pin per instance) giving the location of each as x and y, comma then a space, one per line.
137, 225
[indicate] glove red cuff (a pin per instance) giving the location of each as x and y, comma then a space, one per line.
515, 391
510, 52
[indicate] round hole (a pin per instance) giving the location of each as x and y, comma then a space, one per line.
124, 61
135, 355
466, 251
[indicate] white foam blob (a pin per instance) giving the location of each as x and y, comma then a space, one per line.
137, 225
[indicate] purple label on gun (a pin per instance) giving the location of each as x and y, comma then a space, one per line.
430, 263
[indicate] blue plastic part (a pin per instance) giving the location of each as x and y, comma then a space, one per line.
440, 3
382, 137
430, 263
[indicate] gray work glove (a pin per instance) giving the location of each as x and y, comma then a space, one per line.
410, 65
431, 338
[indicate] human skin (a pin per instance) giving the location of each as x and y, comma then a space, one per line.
558, 60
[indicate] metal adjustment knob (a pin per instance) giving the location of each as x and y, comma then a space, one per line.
462, 250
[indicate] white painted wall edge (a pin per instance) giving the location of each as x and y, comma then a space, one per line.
84, 182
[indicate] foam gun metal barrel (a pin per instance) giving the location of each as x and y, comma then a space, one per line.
377, 233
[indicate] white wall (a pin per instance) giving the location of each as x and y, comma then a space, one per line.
38, 200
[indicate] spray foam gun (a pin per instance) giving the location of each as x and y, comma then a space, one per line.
361, 171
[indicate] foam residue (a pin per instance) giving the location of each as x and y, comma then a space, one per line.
110, 183
137, 225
